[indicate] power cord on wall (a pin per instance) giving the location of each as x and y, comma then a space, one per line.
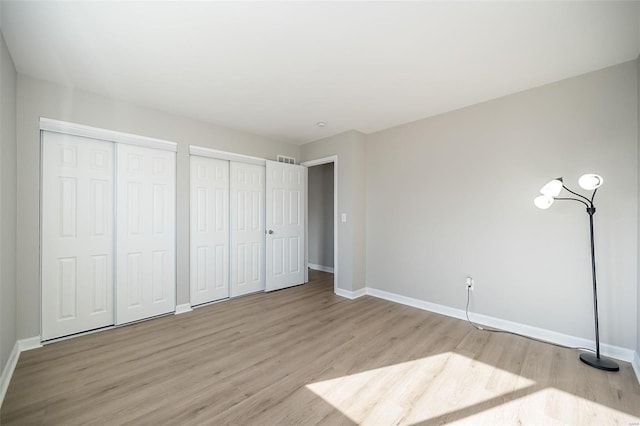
477, 327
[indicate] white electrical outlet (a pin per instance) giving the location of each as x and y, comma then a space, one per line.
469, 283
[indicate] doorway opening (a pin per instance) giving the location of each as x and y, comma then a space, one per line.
322, 217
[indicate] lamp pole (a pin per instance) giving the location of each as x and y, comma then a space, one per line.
596, 360
591, 210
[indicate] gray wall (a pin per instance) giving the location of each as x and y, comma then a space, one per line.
321, 215
37, 98
452, 195
7, 204
350, 149
447, 197
638, 305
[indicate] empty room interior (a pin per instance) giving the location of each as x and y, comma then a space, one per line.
271, 213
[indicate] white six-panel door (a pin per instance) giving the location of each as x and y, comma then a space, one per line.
209, 253
285, 194
77, 234
247, 190
145, 243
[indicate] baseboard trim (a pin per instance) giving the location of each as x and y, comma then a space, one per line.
320, 268
350, 294
30, 343
612, 351
7, 372
636, 365
183, 309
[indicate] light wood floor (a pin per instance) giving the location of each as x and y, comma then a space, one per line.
306, 356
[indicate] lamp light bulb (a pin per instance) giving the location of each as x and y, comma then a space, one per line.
553, 188
543, 201
590, 181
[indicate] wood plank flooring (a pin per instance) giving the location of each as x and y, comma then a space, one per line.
305, 356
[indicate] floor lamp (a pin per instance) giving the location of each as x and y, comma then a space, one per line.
550, 192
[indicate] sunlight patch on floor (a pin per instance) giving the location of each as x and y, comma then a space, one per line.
549, 406
418, 390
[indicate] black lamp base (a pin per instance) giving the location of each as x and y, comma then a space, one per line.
599, 363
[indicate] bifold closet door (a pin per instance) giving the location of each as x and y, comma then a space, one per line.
145, 243
209, 253
77, 234
247, 228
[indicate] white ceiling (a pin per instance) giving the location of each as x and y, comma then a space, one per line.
275, 69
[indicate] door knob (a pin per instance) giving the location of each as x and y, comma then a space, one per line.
270, 231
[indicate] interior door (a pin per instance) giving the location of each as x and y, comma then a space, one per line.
77, 234
247, 228
146, 218
209, 229
285, 194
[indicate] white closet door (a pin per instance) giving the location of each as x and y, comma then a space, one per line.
209, 259
146, 220
285, 194
77, 234
247, 228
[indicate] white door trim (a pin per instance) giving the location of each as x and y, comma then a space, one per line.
74, 129
317, 162
225, 155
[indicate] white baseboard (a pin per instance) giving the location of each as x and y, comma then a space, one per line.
7, 372
350, 294
320, 268
30, 343
20, 346
636, 365
612, 351
184, 308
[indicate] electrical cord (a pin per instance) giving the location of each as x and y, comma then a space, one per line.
477, 327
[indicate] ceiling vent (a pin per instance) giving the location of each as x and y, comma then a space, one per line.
285, 159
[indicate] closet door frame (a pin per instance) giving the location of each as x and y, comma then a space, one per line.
74, 129
225, 155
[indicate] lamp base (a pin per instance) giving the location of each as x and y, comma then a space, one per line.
599, 363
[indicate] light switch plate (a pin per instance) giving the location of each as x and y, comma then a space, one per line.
343, 217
